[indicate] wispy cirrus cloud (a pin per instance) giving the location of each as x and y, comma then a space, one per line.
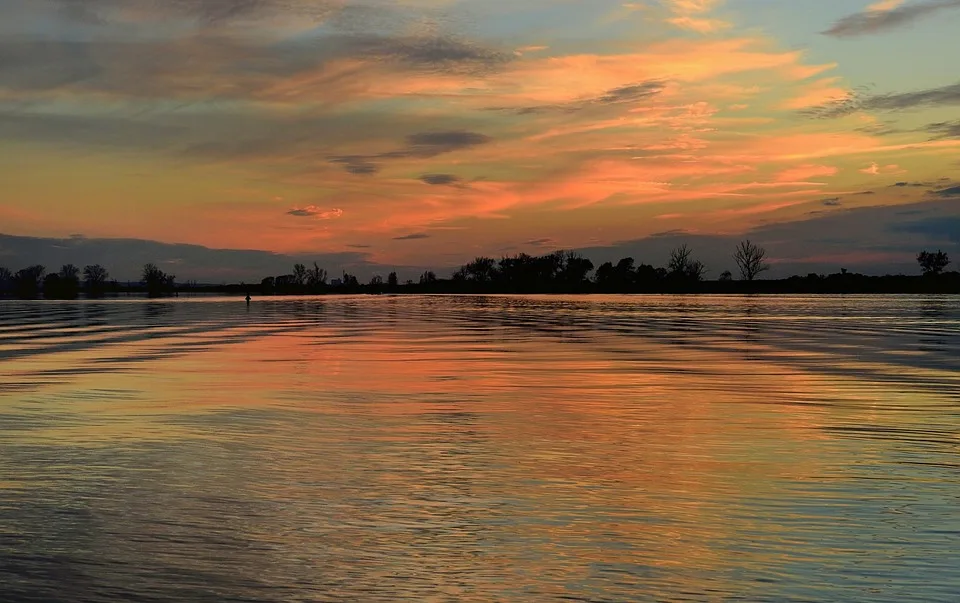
886, 16
693, 15
629, 93
331, 69
422, 145
345, 14
860, 100
944, 129
209, 11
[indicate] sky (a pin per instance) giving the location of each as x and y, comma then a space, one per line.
423, 133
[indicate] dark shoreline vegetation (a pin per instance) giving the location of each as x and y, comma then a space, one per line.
557, 272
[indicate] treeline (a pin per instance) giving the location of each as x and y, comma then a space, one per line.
570, 272
558, 272
315, 281
567, 272
68, 283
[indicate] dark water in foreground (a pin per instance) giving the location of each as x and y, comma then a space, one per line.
481, 449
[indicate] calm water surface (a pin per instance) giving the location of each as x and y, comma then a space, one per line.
481, 449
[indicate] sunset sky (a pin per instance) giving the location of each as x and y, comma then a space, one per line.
426, 132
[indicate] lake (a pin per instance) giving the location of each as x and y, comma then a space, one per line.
496, 448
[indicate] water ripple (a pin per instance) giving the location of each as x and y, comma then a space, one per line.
488, 448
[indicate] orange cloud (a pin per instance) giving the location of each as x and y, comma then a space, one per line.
690, 15
687, 126
703, 26
885, 5
819, 92
802, 173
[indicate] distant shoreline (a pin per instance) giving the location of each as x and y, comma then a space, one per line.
946, 284
562, 273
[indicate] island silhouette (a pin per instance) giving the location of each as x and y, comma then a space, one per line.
552, 273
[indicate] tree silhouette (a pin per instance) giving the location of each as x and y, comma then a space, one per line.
428, 277
299, 275
70, 272
6, 278
52, 286
933, 263
696, 270
679, 258
518, 272
69, 281
625, 277
604, 275
574, 270
726, 275
284, 283
480, 270
62, 285
647, 277
392, 281
750, 259
27, 281
156, 281
560, 270
349, 281
316, 277
95, 276
682, 267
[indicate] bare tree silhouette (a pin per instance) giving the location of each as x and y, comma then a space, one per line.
95, 277
750, 259
682, 266
316, 277
679, 258
70, 272
299, 274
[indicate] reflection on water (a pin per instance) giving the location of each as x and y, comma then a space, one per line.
481, 449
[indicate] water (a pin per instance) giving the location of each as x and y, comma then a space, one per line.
481, 449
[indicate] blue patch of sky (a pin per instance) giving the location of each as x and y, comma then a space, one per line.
913, 56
